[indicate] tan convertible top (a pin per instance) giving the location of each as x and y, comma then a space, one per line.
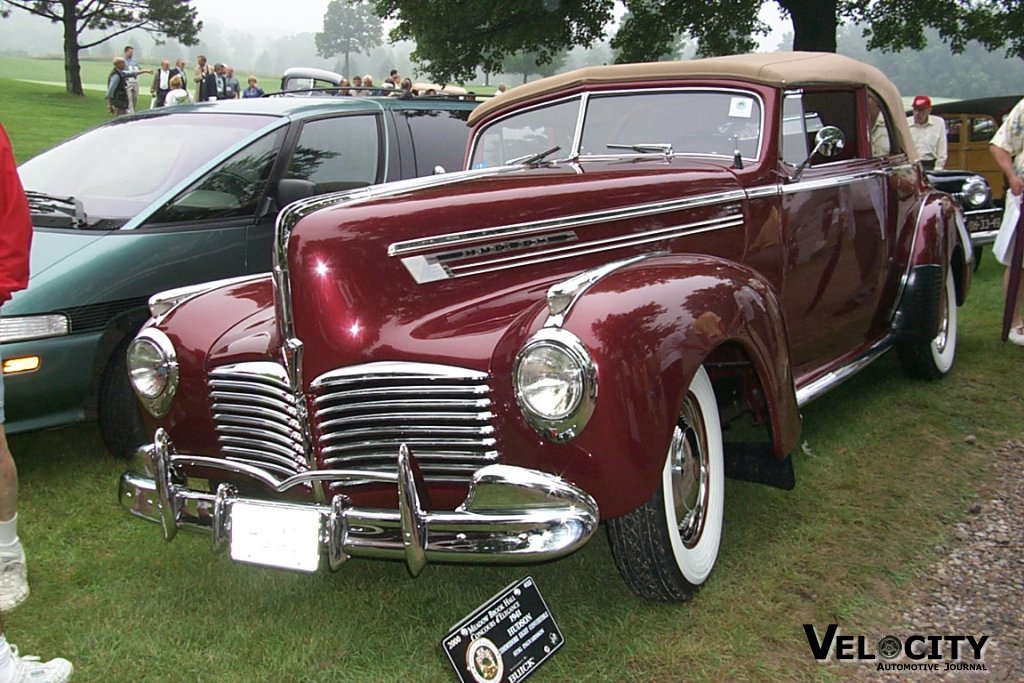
783, 69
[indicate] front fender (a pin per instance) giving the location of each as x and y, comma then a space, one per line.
939, 237
649, 326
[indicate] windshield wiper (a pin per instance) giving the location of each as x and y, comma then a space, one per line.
69, 206
644, 147
533, 158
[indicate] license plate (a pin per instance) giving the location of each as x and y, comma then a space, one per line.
275, 536
984, 222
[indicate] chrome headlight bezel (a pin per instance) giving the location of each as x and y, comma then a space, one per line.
153, 370
566, 424
975, 193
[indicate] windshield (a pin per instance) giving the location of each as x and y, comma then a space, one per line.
118, 169
691, 121
527, 133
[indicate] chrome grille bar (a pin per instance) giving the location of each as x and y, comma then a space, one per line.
255, 416
364, 413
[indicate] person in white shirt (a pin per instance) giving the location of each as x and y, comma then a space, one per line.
161, 82
928, 133
177, 94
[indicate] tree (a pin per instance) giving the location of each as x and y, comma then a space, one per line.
729, 26
527, 63
172, 18
453, 37
349, 26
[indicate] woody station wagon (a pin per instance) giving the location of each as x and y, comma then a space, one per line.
645, 273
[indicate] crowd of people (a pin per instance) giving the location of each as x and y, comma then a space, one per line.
170, 83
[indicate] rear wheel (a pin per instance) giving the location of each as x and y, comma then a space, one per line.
934, 359
666, 549
120, 420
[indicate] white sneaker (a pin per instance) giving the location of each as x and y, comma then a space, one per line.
1016, 336
13, 578
30, 669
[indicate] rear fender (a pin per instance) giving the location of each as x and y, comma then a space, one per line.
938, 240
649, 326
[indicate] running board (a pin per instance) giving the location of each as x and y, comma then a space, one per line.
831, 380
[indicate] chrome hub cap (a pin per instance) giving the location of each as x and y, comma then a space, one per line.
690, 473
943, 335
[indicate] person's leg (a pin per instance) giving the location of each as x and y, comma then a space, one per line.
1016, 334
133, 94
13, 573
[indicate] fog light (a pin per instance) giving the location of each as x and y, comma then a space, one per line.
13, 366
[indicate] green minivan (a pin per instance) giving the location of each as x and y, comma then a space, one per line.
173, 197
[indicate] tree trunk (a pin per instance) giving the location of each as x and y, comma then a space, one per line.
814, 24
347, 74
72, 67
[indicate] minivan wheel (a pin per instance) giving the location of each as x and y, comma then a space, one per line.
120, 419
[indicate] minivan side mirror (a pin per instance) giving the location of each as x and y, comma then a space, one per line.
293, 189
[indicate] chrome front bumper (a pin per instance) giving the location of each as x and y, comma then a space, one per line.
510, 515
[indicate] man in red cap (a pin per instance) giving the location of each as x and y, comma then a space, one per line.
929, 134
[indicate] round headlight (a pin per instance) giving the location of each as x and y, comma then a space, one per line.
148, 368
153, 370
976, 192
555, 381
550, 381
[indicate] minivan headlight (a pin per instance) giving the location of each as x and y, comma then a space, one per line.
153, 370
555, 382
25, 327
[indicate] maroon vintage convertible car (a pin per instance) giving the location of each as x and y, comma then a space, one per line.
645, 273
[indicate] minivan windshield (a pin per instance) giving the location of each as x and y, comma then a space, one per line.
116, 170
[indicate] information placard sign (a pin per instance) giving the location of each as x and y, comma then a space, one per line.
506, 639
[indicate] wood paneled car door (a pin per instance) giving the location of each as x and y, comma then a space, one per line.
834, 227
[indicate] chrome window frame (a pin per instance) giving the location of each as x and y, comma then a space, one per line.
677, 89
584, 103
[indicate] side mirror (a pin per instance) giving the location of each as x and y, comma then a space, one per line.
828, 142
293, 189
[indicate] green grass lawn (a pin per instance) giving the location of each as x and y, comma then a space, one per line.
885, 473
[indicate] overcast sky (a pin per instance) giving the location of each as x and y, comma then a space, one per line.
307, 16
294, 16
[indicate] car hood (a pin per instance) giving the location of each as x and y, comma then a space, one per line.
50, 247
491, 245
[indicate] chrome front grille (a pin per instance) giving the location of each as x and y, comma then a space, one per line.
256, 417
363, 413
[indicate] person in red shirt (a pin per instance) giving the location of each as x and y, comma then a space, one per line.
15, 240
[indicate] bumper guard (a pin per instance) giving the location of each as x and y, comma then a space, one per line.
511, 514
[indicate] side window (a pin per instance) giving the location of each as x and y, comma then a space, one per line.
982, 128
837, 109
232, 190
953, 128
795, 130
341, 153
438, 138
879, 128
